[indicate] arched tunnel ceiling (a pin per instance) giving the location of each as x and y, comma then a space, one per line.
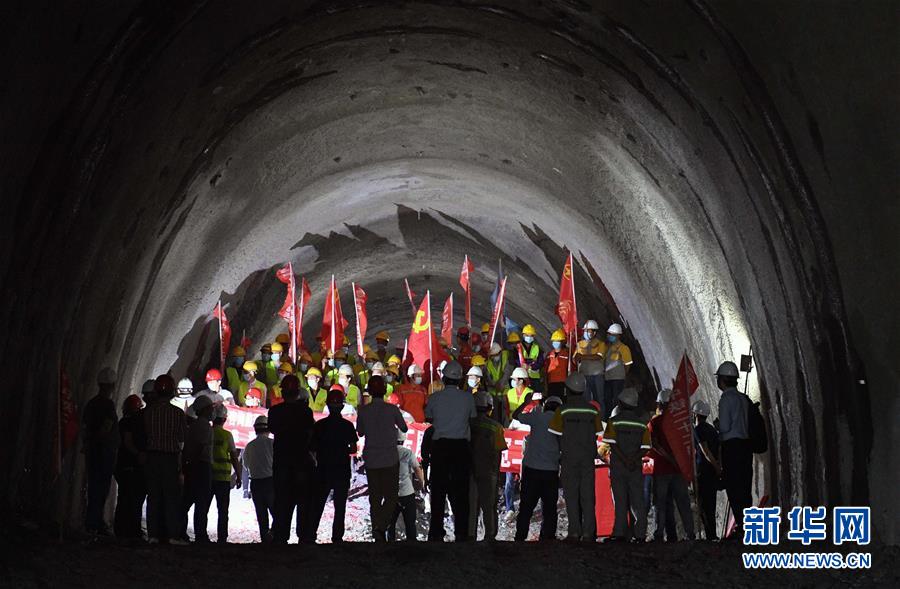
383, 140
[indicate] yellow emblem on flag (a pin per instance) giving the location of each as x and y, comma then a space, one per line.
420, 324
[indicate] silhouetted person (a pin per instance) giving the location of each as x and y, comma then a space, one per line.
197, 458
130, 471
410, 476
333, 442
100, 443
669, 487
737, 452
540, 469
487, 446
225, 458
706, 443
257, 459
292, 422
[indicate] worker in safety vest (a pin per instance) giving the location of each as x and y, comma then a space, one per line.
335, 361
516, 395
556, 365
464, 351
275, 397
578, 424
345, 379
412, 395
473, 381
498, 370
318, 356
285, 340
382, 339
224, 457
363, 375
267, 369
304, 361
589, 359
250, 381
487, 445
318, 394
391, 378
233, 370
626, 439
616, 363
534, 357
513, 347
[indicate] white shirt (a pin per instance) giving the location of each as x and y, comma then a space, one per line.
733, 415
257, 457
407, 471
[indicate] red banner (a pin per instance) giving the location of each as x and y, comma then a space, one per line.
333, 322
67, 419
464, 281
224, 334
288, 310
676, 421
565, 309
422, 345
362, 321
447, 321
498, 311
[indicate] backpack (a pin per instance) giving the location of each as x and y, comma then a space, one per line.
756, 425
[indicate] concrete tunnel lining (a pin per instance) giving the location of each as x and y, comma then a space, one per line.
700, 254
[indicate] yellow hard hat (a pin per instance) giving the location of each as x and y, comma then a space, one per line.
558, 336
314, 372
383, 335
513, 338
485, 327
370, 355
238, 351
340, 354
478, 360
276, 347
250, 366
529, 330
395, 360
395, 370
366, 348
286, 367
283, 339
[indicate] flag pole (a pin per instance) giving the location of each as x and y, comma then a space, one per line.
293, 314
574, 335
59, 443
221, 343
430, 337
333, 336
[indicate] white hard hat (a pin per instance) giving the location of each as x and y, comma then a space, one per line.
701, 408
185, 383
475, 371
378, 368
345, 370
520, 373
727, 368
664, 396
107, 376
590, 324
413, 369
615, 329
495, 349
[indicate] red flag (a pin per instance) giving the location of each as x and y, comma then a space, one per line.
410, 295
422, 344
498, 311
565, 309
333, 322
362, 322
224, 333
467, 270
67, 419
305, 295
447, 321
288, 310
676, 421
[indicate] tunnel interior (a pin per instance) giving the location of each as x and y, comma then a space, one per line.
678, 150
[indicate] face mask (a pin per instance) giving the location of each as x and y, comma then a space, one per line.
304, 366
276, 358
345, 381
266, 357
557, 345
248, 377
214, 385
331, 361
473, 382
313, 383
611, 339
588, 336
369, 365
417, 379
238, 361
512, 383
388, 378
528, 339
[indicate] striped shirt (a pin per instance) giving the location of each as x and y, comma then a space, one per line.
166, 428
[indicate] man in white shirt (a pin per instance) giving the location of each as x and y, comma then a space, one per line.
734, 433
257, 459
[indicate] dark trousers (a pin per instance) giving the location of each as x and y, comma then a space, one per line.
197, 492
483, 493
337, 484
221, 490
543, 485
384, 484
594, 389
558, 389
707, 488
293, 490
737, 471
407, 507
263, 493
163, 495
611, 390
100, 465
130, 502
450, 472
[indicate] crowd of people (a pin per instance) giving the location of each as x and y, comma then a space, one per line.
172, 449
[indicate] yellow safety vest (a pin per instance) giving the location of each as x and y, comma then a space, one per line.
514, 399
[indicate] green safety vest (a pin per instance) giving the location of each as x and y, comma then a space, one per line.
531, 355
221, 454
495, 372
516, 400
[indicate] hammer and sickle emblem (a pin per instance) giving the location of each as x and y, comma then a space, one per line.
567, 271
420, 324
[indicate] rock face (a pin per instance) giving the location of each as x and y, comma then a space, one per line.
725, 175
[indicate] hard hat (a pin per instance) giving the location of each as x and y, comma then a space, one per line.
558, 336
164, 385
462, 330
664, 396
262, 422
285, 367
727, 368
378, 368
552, 399
520, 373
132, 403
255, 392
345, 370
314, 372
304, 355
478, 360
591, 324
250, 366
701, 408
475, 371
629, 397
149, 386
395, 370
370, 355
615, 329
383, 335
576, 383
266, 349
201, 403
513, 338
453, 369
340, 354
394, 359
185, 384
283, 339
486, 327
413, 369
213, 374
107, 376
495, 349
238, 351
483, 399
366, 348
529, 330
336, 388
276, 348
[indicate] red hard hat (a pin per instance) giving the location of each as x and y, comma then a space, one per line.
462, 330
165, 384
132, 404
255, 392
335, 396
213, 374
336, 387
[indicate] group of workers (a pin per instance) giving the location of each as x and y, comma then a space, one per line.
172, 449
